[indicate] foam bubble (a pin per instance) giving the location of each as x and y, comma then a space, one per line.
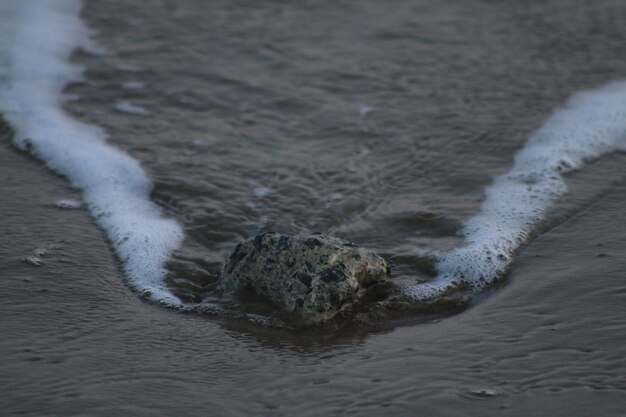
129, 108
591, 124
365, 110
261, 192
68, 204
35, 258
42, 34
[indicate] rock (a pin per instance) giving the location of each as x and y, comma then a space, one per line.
312, 275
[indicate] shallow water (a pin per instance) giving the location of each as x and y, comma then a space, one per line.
381, 124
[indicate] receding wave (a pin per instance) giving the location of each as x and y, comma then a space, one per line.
40, 36
37, 39
591, 124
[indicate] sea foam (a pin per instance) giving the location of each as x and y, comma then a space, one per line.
591, 124
38, 37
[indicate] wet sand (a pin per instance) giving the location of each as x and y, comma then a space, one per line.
78, 342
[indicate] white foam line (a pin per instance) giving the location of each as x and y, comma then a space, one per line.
591, 124
114, 186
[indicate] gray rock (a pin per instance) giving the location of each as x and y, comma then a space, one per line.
312, 275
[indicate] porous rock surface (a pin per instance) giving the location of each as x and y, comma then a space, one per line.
312, 275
